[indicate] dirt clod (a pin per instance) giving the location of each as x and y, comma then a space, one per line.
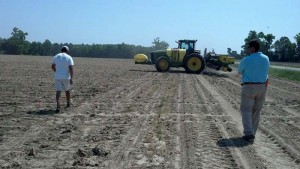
31, 152
66, 131
81, 153
99, 152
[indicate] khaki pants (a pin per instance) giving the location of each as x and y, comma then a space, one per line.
252, 100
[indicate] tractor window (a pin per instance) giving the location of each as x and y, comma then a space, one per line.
191, 46
187, 46
184, 45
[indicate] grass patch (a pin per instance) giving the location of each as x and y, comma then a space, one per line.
285, 74
286, 64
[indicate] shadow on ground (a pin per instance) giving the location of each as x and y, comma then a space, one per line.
170, 71
206, 72
214, 73
233, 142
137, 70
43, 112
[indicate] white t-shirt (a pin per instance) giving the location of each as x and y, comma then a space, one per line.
62, 62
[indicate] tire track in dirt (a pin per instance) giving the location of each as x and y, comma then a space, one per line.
120, 157
255, 149
137, 142
136, 124
221, 113
178, 163
154, 149
198, 133
190, 131
267, 139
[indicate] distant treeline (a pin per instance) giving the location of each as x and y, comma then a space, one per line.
282, 50
18, 45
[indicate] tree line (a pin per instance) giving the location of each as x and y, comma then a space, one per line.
281, 50
18, 45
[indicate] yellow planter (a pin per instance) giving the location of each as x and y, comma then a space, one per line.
140, 58
226, 59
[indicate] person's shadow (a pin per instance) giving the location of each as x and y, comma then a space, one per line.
43, 112
234, 142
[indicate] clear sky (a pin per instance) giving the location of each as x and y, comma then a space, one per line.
216, 24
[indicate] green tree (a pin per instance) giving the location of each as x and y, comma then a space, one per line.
55, 48
46, 48
17, 43
268, 40
252, 35
284, 50
2, 42
229, 51
159, 45
35, 48
297, 52
265, 42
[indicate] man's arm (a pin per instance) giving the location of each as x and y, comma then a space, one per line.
53, 66
71, 73
241, 67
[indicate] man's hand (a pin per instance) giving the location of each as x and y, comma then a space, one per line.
53, 66
71, 73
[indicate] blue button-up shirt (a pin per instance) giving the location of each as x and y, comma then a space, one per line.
254, 68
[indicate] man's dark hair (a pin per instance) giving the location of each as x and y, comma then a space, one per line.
254, 43
64, 49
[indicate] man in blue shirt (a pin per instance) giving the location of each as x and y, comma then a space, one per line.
254, 69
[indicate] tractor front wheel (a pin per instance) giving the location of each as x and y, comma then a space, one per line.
194, 63
162, 64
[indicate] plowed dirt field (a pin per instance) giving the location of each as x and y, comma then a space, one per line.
131, 116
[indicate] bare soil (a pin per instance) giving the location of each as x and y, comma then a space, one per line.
131, 116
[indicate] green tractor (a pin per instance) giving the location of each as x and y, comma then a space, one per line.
184, 56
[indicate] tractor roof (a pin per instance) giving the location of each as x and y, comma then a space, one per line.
185, 40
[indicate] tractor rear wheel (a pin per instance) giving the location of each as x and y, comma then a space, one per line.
225, 69
162, 64
194, 63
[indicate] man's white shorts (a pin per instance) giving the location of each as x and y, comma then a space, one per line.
62, 84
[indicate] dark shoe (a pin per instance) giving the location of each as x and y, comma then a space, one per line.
57, 110
68, 104
248, 137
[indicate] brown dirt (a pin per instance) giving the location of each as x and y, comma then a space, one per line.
131, 116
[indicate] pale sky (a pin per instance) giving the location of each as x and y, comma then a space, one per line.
216, 24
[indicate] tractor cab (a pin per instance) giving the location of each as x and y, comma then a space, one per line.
189, 45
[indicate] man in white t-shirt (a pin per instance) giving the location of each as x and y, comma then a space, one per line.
62, 65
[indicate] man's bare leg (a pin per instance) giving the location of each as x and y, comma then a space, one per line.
68, 96
58, 93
